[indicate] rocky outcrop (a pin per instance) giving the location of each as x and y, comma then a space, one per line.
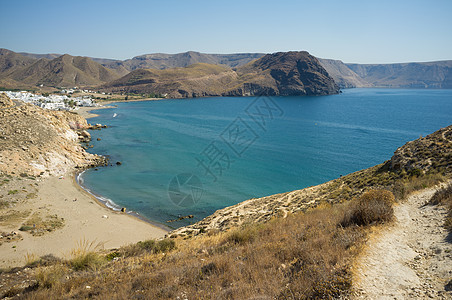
5, 102
36, 142
291, 74
433, 152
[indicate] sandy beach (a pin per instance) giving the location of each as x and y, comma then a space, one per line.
84, 219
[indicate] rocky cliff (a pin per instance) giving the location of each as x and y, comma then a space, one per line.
35, 141
289, 74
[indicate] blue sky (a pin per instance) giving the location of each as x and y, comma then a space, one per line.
352, 31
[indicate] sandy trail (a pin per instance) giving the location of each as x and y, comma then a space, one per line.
410, 259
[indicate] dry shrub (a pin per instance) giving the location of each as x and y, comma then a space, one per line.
374, 206
404, 186
242, 235
49, 277
148, 246
303, 256
444, 197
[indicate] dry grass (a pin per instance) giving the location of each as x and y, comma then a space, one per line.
374, 206
302, 256
86, 256
444, 197
146, 247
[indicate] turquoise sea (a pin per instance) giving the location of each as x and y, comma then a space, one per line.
194, 156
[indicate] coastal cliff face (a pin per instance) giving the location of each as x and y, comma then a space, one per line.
282, 73
35, 141
343, 76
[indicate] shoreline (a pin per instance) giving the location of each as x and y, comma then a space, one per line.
87, 114
85, 221
132, 214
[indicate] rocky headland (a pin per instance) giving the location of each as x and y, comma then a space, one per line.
41, 142
282, 73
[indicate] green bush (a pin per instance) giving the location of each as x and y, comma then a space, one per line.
25, 228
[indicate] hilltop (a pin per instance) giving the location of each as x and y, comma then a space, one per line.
282, 73
166, 61
17, 70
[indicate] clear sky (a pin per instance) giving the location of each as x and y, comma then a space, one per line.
353, 31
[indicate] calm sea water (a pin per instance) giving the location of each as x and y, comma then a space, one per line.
227, 150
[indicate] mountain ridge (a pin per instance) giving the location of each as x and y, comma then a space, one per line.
435, 74
62, 71
282, 73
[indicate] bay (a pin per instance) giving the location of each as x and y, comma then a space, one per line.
193, 156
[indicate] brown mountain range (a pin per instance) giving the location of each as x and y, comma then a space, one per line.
26, 70
63, 71
282, 73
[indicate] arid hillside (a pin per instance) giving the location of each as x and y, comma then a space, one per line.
17, 71
283, 73
36, 141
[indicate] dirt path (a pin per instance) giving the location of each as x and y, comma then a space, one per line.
410, 259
